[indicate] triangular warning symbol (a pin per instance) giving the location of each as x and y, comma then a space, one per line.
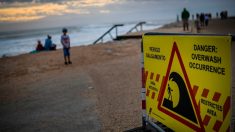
183, 109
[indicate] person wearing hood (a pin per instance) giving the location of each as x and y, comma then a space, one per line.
48, 43
185, 16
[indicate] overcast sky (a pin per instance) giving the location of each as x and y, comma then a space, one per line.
46, 13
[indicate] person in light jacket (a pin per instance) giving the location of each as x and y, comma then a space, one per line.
65, 41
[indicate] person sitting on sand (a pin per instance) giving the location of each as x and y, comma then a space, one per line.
48, 44
185, 16
65, 41
53, 47
39, 46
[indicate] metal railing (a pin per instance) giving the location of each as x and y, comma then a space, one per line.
109, 32
140, 24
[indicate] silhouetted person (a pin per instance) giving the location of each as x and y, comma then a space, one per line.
224, 14
185, 16
197, 24
202, 19
192, 17
39, 46
206, 19
209, 15
169, 92
197, 16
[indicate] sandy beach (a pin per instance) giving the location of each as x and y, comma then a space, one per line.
100, 91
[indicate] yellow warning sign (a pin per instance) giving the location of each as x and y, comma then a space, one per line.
188, 81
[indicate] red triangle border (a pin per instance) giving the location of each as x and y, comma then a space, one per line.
175, 116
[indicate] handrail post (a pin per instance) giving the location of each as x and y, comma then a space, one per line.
135, 27
108, 32
116, 32
110, 35
141, 27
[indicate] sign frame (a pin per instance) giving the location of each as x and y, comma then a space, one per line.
146, 119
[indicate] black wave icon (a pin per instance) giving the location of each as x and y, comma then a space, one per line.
184, 107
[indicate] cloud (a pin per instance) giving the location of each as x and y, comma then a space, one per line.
104, 11
38, 1
22, 10
89, 3
81, 2
33, 12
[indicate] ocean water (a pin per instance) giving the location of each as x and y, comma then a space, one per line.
23, 22
13, 43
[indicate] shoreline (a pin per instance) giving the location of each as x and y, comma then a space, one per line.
173, 26
74, 34
26, 41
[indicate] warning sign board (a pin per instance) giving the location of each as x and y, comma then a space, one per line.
188, 81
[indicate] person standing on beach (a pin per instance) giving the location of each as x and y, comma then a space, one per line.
65, 41
206, 19
202, 19
185, 16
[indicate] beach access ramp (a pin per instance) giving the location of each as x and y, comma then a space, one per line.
121, 37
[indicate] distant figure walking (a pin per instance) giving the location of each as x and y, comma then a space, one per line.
48, 44
206, 20
39, 46
65, 41
224, 14
202, 19
185, 16
197, 24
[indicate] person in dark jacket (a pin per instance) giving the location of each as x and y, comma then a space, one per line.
202, 19
39, 46
185, 16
